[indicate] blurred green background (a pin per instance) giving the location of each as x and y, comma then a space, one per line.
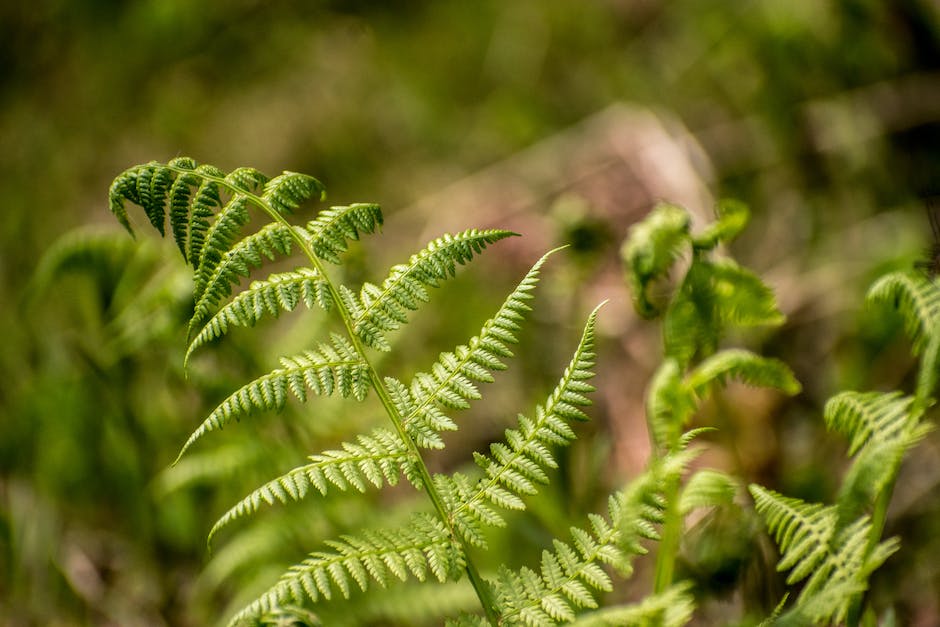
823, 116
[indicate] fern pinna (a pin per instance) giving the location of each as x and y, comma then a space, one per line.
207, 211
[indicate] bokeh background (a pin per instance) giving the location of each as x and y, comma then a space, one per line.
565, 121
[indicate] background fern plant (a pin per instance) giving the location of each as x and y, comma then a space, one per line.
833, 549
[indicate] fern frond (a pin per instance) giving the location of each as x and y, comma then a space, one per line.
566, 579
916, 297
691, 324
802, 530
450, 383
422, 548
329, 368
671, 608
279, 292
652, 246
375, 459
515, 466
378, 310
750, 368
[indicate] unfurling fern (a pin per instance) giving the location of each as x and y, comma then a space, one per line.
207, 211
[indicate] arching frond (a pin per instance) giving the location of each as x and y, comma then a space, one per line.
379, 309
671, 608
279, 292
567, 578
744, 365
802, 530
329, 368
421, 549
515, 466
375, 459
916, 297
651, 248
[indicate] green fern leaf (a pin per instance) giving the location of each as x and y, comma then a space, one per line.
450, 384
691, 325
376, 459
849, 565
286, 192
382, 309
279, 292
322, 371
330, 233
237, 262
802, 530
567, 576
420, 549
515, 467
652, 246
749, 367
741, 297
917, 299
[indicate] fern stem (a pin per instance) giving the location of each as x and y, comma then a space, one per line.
669, 541
476, 580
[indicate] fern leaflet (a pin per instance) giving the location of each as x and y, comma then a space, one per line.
381, 309
374, 459
329, 368
278, 292
421, 548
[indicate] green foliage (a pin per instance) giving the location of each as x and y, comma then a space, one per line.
206, 210
834, 548
831, 550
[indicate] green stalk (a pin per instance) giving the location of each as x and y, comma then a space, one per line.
669, 540
481, 588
